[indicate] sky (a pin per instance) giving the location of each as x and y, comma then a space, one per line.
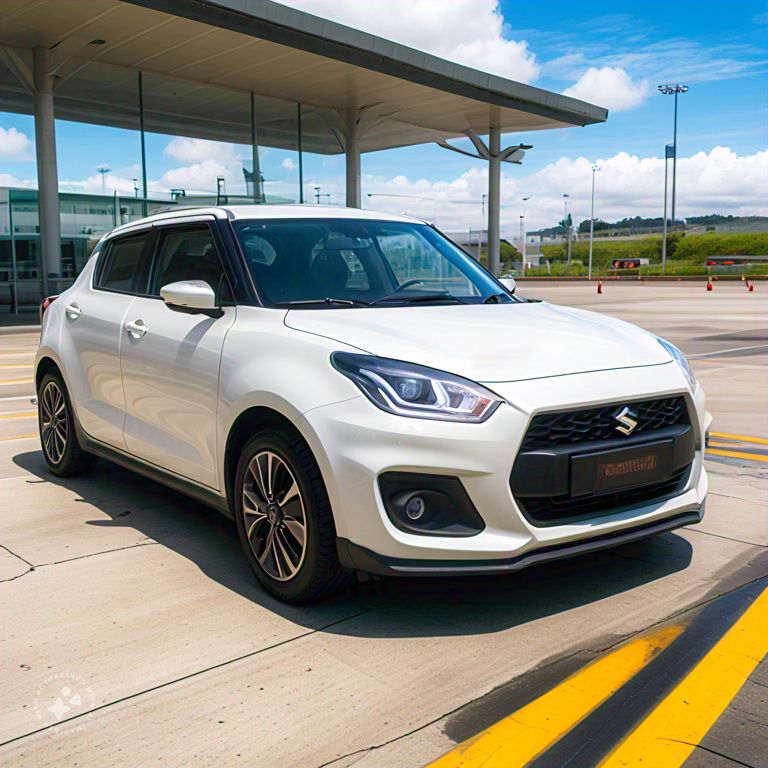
611, 54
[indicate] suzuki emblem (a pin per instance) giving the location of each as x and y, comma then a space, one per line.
627, 419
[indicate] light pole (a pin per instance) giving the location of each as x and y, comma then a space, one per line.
668, 150
103, 170
136, 188
522, 234
668, 90
567, 225
595, 169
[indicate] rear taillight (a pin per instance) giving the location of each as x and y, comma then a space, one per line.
45, 304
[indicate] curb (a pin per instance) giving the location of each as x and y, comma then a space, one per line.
9, 330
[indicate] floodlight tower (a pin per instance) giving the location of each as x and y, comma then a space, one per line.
675, 89
103, 170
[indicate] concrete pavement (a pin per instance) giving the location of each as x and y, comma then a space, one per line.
138, 602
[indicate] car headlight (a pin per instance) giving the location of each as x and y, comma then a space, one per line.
412, 390
681, 361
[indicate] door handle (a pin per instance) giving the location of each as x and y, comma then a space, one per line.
137, 328
73, 310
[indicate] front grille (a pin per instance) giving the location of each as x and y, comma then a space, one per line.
552, 510
584, 426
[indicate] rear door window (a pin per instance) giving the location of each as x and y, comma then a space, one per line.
123, 265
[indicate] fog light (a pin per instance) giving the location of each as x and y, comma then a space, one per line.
415, 508
429, 504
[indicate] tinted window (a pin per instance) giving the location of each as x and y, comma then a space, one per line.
187, 254
123, 263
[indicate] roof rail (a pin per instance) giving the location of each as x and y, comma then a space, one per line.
172, 208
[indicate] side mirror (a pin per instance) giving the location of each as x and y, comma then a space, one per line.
189, 294
509, 283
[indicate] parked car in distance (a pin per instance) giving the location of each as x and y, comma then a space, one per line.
359, 394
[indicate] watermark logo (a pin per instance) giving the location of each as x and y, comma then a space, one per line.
63, 703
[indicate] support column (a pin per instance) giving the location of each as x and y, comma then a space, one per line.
47, 173
494, 201
352, 136
143, 146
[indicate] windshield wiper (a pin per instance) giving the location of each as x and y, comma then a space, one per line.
424, 297
308, 302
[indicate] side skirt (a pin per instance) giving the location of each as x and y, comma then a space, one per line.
187, 487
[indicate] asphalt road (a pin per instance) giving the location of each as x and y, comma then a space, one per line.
134, 633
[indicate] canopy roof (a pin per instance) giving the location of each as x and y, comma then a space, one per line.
201, 60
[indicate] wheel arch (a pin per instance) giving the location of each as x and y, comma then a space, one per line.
44, 365
248, 422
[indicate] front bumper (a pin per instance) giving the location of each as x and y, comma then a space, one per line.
355, 442
359, 558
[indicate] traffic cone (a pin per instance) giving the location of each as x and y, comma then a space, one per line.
709, 283
599, 286
750, 287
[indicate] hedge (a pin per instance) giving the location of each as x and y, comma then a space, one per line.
693, 249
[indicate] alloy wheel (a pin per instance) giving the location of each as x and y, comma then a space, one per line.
53, 422
274, 515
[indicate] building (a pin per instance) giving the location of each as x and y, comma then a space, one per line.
251, 72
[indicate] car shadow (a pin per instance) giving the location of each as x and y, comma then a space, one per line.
387, 607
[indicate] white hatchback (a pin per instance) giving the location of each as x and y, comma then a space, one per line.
359, 394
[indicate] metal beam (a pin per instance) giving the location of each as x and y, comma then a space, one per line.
143, 145
494, 201
19, 67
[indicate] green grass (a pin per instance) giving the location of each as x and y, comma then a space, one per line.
686, 254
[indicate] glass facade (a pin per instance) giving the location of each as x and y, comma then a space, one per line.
84, 219
261, 138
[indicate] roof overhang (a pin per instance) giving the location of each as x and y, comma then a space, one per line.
201, 61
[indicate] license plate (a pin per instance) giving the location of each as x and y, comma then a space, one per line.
623, 468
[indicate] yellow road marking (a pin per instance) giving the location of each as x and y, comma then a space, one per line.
743, 438
16, 381
19, 415
737, 454
673, 729
519, 738
9, 366
18, 437
730, 445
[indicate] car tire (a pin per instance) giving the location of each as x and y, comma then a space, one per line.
58, 438
284, 519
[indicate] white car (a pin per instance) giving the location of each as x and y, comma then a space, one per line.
360, 395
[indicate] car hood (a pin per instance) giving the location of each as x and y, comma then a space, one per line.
489, 342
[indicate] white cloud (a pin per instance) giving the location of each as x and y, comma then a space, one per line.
199, 177
471, 32
288, 164
14, 145
609, 87
198, 150
718, 181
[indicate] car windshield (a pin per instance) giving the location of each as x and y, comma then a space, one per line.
336, 263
